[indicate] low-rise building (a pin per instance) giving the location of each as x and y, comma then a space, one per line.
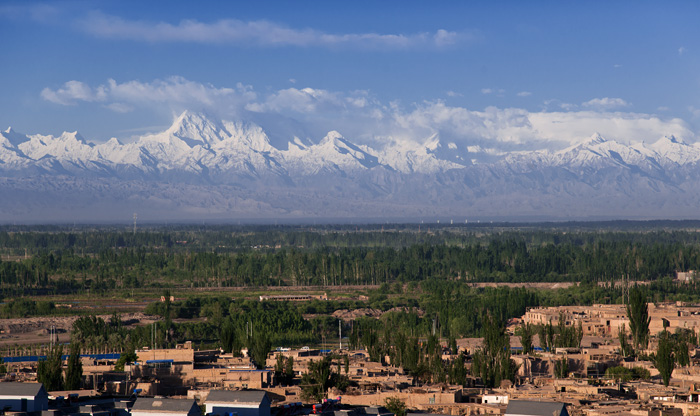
23, 397
165, 407
242, 402
535, 408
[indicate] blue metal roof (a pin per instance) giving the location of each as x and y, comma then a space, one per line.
35, 358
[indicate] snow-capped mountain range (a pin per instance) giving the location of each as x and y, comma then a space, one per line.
204, 168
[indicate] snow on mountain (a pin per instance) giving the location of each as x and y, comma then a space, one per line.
197, 144
69, 146
408, 158
592, 155
10, 138
194, 129
291, 170
333, 153
10, 156
128, 156
247, 135
598, 152
674, 150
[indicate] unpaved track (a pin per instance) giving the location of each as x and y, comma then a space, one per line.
23, 331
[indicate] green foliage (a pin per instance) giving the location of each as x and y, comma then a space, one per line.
98, 260
259, 347
227, 334
22, 308
526, 332
284, 370
640, 373
665, 360
567, 336
317, 379
682, 340
492, 362
638, 315
561, 368
74, 369
624, 374
320, 377
626, 349
395, 406
124, 358
619, 373
92, 331
458, 371
50, 371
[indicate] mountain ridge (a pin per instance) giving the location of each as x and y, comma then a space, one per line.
232, 169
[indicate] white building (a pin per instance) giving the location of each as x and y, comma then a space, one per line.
23, 397
243, 403
494, 399
165, 407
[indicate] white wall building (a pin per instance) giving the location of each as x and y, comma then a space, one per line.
23, 397
144, 406
243, 403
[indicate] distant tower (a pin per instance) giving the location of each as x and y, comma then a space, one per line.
135, 217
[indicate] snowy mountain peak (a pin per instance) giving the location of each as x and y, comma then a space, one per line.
332, 137
433, 143
11, 137
196, 128
248, 135
596, 138
672, 139
114, 142
296, 144
73, 136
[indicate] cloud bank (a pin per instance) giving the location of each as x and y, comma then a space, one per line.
362, 117
258, 32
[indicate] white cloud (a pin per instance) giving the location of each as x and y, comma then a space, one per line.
605, 103
170, 94
524, 94
258, 32
361, 117
306, 100
499, 91
681, 50
71, 93
120, 107
454, 94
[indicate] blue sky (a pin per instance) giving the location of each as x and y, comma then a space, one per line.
526, 74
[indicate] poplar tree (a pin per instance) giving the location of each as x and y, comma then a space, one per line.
50, 370
638, 314
74, 368
665, 360
492, 362
526, 333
